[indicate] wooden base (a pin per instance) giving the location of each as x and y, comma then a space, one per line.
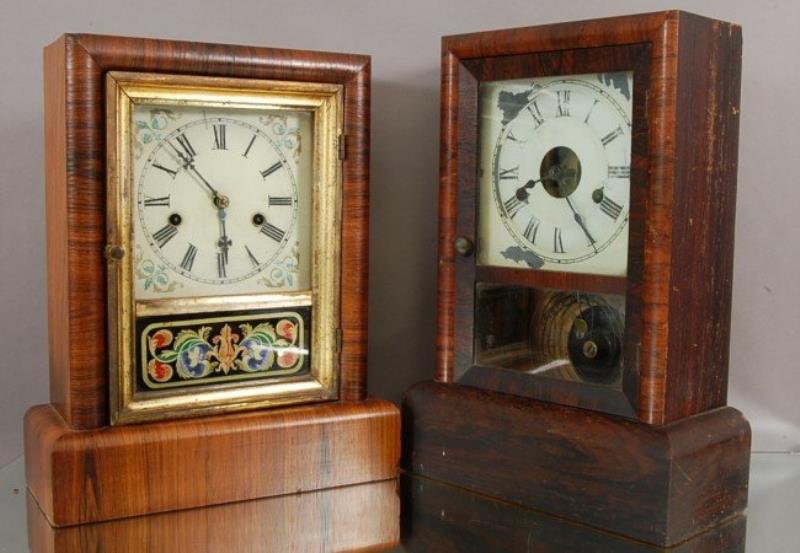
88, 476
350, 518
439, 517
658, 484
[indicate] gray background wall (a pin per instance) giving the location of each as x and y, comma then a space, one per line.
403, 38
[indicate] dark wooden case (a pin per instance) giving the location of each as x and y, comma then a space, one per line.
658, 484
81, 470
438, 517
687, 72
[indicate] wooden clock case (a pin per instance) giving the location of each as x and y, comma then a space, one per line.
664, 459
80, 469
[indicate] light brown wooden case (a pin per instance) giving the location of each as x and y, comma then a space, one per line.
80, 469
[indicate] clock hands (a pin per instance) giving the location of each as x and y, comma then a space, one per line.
224, 243
559, 174
556, 173
220, 201
579, 220
187, 160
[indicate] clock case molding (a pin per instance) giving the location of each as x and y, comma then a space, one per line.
79, 468
664, 459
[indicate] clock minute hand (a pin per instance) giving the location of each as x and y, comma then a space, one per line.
579, 220
213, 190
188, 164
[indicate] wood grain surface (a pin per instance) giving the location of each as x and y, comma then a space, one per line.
658, 484
75, 67
438, 517
364, 517
121, 471
686, 108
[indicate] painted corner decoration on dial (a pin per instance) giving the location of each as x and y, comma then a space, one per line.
555, 156
222, 200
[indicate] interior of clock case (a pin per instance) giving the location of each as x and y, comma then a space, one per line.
566, 335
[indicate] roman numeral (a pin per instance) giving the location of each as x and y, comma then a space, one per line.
165, 234
558, 245
533, 108
509, 174
273, 232
511, 137
253, 258
606, 140
249, 145
188, 258
188, 153
591, 109
563, 103
512, 205
219, 136
280, 200
168, 171
222, 261
610, 207
530, 230
271, 169
156, 202
619, 171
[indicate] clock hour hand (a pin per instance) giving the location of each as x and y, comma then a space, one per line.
553, 174
522, 192
224, 243
579, 220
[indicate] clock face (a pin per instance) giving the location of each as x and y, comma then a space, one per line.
221, 201
555, 173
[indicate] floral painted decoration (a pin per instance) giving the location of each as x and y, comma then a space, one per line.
150, 128
155, 275
285, 130
283, 271
195, 354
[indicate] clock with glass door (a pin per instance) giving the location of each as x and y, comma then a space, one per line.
201, 313
219, 193
554, 192
587, 200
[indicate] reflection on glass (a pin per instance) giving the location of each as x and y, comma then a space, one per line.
567, 335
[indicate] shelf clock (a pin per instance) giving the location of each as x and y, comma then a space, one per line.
588, 179
207, 259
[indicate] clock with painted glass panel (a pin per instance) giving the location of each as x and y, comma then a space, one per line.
555, 156
224, 203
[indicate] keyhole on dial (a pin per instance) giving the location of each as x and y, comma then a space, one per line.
560, 172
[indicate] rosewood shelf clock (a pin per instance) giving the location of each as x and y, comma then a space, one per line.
587, 198
207, 257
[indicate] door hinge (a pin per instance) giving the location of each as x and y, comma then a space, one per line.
342, 145
338, 335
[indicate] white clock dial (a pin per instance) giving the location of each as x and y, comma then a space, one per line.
555, 173
221, 204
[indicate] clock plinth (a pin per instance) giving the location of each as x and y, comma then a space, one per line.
658, 484
437, 513
113, 472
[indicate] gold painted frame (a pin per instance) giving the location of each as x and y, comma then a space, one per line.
325, 102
